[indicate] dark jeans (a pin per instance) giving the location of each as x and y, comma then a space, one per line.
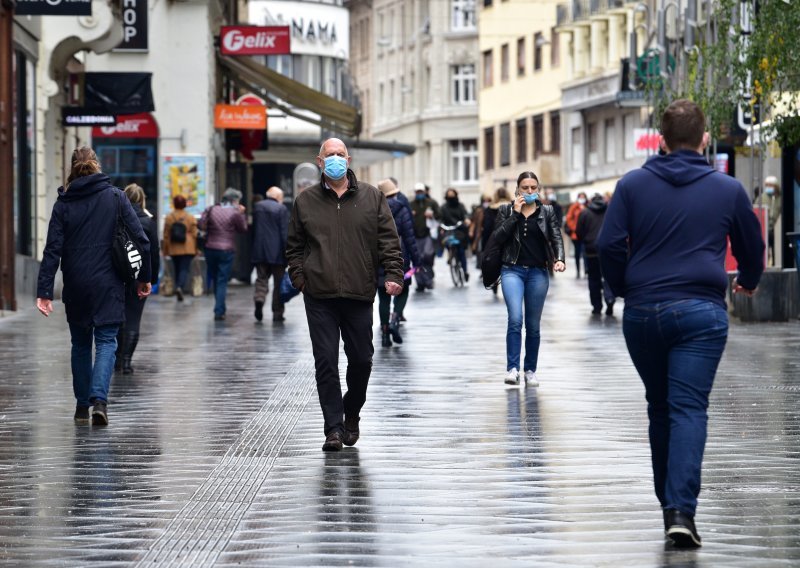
676, 347
220, 263
326, 320
578, 246
385, 302
598, 287
182, 263
263, 272
92, 381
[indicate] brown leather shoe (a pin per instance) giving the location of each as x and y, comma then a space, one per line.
333, 443
351, 431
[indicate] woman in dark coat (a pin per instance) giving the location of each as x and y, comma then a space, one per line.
128, 335
454, 212
390, 324
79, 237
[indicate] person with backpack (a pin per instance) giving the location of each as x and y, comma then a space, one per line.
180, 242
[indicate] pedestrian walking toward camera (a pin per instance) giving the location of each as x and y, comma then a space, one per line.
453, 213
128, 335
571, 224
270, 230
425, 211
390, 318
662, 247
531, 239
79, 238
222, 222
587, 229
180, 242
341, 231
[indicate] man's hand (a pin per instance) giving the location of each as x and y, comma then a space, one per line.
393, 288
45, 306
143, 289
559, 266
739, 289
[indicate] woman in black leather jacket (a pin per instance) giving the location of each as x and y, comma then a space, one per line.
531, 239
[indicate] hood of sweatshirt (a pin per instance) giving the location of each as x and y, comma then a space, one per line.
84, 186
679, 168
598, 205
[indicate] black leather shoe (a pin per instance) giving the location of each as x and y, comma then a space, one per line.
610, 309
681, 530
351, 431
81, 414
259, 313
333, 443
100, 413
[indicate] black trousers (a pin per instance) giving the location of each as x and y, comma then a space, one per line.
327, 320
598, 287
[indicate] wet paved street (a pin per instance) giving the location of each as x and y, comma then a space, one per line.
213, 453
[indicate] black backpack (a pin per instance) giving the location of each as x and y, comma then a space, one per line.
177, 232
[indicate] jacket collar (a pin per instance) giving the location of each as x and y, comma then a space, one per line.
352, 182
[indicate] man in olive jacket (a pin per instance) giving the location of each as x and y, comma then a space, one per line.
340, 233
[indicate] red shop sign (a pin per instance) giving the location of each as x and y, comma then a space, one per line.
254, 40
129, 126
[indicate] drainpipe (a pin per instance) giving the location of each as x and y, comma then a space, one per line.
8, 299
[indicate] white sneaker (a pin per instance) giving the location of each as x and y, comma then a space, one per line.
530, 379
512, 378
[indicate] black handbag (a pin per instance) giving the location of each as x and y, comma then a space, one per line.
126, 255
491, 263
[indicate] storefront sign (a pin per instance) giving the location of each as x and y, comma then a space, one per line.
129, 126
254, 40
645, 142
134, 26
53, 8
184, 174
75, 116
323, 30
242, 117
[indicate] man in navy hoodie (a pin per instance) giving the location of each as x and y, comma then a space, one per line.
662, 247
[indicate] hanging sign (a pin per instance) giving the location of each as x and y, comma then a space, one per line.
76, 116
129, 126
134, 26
53, 8
242, 117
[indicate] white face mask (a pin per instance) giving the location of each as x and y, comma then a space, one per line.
582, 201
769, 190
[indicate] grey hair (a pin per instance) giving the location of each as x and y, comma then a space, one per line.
231, 195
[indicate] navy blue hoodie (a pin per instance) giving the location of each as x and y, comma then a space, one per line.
665, 233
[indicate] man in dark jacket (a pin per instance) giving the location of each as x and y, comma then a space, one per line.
270, 228
587, 229
341, 231
662, 247
424, 210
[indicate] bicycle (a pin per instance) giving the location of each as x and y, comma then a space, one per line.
452, 243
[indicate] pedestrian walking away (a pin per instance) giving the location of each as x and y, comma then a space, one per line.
390, 318
662, 247
180, 242
587, 229
571, 223
270, 230
531, 239
222, 222
79, 238
341, 231
128, 335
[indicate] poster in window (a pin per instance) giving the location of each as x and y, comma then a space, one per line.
184, 174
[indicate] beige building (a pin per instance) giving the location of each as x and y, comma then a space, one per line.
521, 71
415, 65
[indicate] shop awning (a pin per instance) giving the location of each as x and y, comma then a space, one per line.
292, 97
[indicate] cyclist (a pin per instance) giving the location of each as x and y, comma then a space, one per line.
453, 212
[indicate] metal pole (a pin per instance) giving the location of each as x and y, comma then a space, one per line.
8, 299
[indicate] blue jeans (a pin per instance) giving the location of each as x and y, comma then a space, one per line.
220, 263
90, 382
182, 263
676, 347
530, 285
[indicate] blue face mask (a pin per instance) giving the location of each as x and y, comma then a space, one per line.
530, 197
335, 167
419, 196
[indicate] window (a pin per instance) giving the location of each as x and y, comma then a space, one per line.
555, 51
538, 42
577, 144
521, 57
391, 108
24, 152
488, 147
538, 136
464, 160
463, 15
487, 3
505, 144
628, 125
381, 99
555, 133
463, 84
611, 141
488, 79
504, 63
522, 140
594, 158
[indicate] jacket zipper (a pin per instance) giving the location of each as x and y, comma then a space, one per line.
339, 241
